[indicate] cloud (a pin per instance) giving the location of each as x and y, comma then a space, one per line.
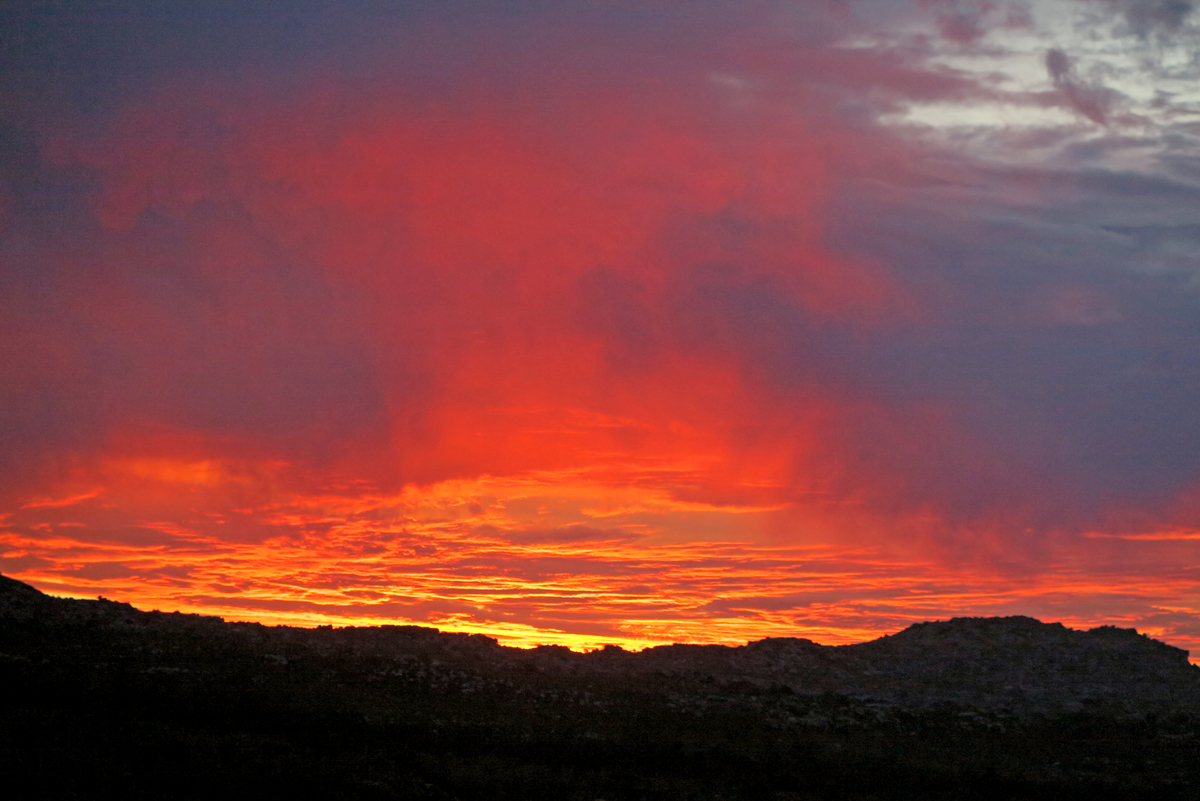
966, 22
557, 536
1146, 17
692, 274
415, 285
1089, 99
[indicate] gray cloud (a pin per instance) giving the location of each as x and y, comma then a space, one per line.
1089, 99
1146, 17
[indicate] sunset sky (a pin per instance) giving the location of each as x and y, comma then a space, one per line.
605, 322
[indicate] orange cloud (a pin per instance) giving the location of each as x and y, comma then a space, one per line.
524, 559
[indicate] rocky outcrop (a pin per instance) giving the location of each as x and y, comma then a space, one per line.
1010, 665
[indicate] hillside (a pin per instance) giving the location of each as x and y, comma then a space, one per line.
987, 707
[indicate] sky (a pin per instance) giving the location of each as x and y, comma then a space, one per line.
625, 322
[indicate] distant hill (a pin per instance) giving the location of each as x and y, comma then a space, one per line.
1017, 665
100, 694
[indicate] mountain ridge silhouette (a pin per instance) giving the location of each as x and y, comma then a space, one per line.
98, 697
1014, 664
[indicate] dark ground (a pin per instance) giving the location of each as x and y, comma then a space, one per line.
102, 700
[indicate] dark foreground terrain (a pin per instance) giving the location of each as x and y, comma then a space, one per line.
102, 699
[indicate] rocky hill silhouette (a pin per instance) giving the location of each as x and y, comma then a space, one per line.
1017, 665
987, 707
